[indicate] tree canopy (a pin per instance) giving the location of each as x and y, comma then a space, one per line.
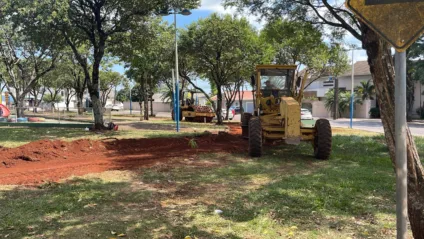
97, 24
225, 48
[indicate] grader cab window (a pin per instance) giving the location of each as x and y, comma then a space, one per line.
276, 82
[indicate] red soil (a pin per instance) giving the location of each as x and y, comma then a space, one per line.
45, 160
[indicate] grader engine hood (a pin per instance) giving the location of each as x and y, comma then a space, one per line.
290, 112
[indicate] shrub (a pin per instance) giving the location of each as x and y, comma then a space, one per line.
375, 113
420, 112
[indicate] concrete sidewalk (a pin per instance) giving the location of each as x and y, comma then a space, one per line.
375, 125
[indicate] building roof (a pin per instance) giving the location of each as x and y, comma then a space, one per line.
247, 95
361, 68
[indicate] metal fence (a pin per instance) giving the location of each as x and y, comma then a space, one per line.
64, 115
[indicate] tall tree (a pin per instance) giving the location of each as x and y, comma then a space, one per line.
366, 90
343, 103
231, 91
293, 42
38, 92
146, 50
25, 57
224, 46
54, 82
69, 93
415, 73
335, 17
302, 43
75, 71
94, 23
109, 80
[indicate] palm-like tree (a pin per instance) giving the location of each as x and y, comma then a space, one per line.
344, 101
366, 90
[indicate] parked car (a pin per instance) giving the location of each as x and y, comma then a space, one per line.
115, 107
305, 114
236, 110
230, 114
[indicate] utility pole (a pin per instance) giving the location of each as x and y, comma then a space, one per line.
336, 98
352, 92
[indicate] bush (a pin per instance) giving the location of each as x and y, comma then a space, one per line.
420, 112
375, 113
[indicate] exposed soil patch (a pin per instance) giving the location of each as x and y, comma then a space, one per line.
45, 160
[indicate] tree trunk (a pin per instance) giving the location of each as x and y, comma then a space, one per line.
94, 86
146, 108
146, 102
241, 96
67, 102
382, 70
80, 103
410, 98
36, 103
219, 106
141, 110
20, 99
151, 107
97, 110
228, 112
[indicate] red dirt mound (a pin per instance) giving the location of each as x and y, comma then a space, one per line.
46, 160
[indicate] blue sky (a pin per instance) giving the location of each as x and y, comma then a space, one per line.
207, 8
210, 6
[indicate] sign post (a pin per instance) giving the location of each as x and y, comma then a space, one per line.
400, 140
401, 23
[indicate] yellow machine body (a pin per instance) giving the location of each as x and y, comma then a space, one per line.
189, 114
280, 113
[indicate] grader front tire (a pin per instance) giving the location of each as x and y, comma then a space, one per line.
323, 139
245, 125
255, 137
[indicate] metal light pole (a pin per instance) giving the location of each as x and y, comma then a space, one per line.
352, 94
184, 12
177, 72
174, 95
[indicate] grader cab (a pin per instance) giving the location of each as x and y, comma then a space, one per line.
277, 114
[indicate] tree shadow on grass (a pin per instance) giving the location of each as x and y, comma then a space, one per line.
83, 208
357, 182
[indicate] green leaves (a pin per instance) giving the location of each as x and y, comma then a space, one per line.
224, 47
366, 90
344, 100
293, 42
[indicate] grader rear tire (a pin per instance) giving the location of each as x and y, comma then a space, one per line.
255, 137
323, 138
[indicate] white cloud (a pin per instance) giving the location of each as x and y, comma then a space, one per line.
216, 6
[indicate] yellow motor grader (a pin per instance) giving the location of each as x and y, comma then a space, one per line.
277, 114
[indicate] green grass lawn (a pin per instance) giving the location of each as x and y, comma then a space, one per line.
285, 194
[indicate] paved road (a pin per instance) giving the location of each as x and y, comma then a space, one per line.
375, 125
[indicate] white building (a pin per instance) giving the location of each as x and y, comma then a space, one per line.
321, 86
